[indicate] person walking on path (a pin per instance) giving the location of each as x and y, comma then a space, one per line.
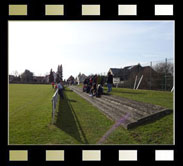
109, 82
60, 89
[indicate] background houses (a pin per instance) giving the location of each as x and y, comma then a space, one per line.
38, 79
125, 77
71, 80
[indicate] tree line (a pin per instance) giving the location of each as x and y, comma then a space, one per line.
28, 77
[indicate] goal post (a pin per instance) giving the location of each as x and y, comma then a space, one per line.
135, 82
139, 82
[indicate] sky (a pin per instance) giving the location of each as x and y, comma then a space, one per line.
89, 47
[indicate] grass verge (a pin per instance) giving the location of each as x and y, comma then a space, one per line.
157, 132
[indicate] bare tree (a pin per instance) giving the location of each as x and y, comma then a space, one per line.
15, 73
164, 68
165, 71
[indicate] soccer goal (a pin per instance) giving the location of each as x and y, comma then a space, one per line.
54, 105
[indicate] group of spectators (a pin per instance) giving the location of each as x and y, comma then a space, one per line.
91, 85
94, 87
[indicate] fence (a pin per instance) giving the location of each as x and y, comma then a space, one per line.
154, 75
54, 104
165, 75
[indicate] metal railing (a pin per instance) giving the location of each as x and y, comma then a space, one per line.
54, 104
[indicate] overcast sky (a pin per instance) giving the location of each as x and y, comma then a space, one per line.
87, 46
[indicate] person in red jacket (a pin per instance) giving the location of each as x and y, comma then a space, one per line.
53, 84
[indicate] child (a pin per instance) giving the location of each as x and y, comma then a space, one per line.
53, 84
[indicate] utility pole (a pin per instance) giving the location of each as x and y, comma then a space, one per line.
150, 75
165, 72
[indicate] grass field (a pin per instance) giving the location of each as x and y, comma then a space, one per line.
162, 98
77, 121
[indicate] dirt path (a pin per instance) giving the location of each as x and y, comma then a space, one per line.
117, 108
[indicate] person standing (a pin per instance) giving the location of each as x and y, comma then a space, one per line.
53, 84
60, 89
109, 82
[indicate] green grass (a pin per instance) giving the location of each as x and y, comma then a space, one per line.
77, 121
162, 98
156, 132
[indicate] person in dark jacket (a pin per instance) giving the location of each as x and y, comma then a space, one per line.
109, 82
93, 89
85, 85
60, 89
99, 90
